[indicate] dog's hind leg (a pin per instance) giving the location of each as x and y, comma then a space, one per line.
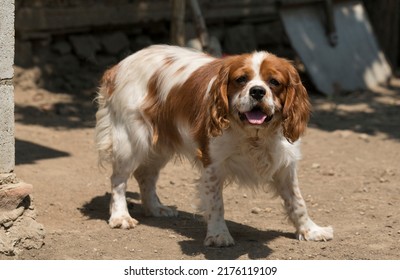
126, 158
120, 217
147, 175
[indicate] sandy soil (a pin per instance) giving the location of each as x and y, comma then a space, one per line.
349, 176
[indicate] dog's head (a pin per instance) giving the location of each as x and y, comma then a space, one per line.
256, 90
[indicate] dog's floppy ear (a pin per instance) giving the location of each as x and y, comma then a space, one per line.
296, 107
219, 104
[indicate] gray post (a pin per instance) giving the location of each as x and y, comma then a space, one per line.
7, 142
18, 228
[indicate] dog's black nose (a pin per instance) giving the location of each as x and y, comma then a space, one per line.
257, 92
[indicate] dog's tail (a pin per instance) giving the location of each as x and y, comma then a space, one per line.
103, 130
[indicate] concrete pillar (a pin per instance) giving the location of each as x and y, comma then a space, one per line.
18, 228
7, 142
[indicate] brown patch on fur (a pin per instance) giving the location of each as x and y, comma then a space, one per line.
168, 60
180, 70
161, 118
218, 104
186, 104
108, 80
290, 94
296, 109
239, 66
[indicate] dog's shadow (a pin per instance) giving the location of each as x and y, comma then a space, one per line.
250, 241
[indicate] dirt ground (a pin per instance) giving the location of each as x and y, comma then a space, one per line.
349, 176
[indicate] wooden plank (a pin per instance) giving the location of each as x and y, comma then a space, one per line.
356, 62
237, 3
178, 22
34, 19
56, 18
200, 24
240, 12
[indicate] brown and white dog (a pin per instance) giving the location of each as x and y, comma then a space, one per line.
238, 118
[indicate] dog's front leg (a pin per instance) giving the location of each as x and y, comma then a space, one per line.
286, 183
212, 204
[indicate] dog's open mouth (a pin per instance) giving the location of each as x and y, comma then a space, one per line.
256, 116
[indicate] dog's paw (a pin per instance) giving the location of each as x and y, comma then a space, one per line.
161, 211
223, 239
124, 222
315, 233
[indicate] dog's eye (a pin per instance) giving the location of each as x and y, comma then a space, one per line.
274, 82
242, 80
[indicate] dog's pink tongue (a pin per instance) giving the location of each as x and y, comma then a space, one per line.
255, 117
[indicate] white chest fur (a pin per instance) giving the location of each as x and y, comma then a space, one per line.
252, 161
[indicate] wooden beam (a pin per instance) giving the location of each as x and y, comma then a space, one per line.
45, 18
64, 19
178, 23
200, 24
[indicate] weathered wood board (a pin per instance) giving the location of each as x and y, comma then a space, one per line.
356, 62
59, 18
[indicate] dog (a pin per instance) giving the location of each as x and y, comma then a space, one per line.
238, 118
